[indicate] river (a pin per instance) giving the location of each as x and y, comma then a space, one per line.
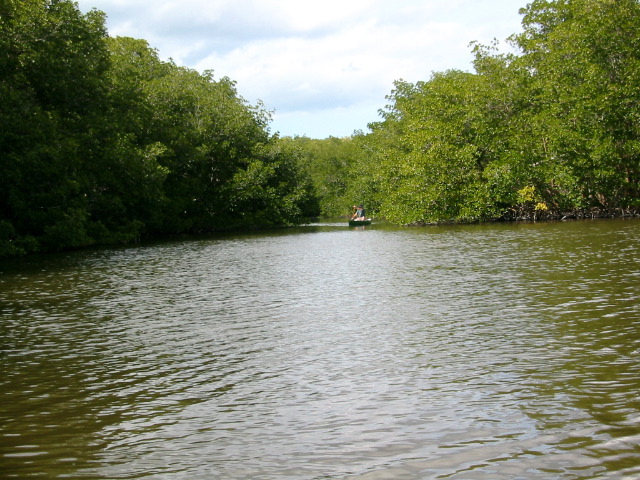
497, 351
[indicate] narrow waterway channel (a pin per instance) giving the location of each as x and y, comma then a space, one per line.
501, 351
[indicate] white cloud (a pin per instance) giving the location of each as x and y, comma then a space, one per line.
321, 65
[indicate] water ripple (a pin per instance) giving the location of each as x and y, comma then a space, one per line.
472, 352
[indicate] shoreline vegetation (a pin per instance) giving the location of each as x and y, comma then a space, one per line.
567, 216
103, 143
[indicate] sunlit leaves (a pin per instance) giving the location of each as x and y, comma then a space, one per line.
560, 114
585, 59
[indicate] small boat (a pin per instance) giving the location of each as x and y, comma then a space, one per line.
359, 223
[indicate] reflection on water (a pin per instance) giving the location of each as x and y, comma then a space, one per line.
467, 352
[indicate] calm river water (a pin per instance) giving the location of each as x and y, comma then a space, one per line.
507, 351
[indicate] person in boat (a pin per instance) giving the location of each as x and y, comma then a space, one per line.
359, 214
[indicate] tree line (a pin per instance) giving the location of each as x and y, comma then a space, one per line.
102, 142
547, 130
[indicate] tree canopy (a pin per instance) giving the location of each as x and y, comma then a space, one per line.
547, 130
103, 142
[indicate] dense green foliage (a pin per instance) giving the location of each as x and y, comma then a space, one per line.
101, 142
330, 165
549, 130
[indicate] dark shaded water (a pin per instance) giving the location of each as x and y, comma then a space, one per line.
468, 352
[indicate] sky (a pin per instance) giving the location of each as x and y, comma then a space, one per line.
323, 68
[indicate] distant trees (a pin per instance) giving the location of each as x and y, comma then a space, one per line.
332, 166
102, 142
